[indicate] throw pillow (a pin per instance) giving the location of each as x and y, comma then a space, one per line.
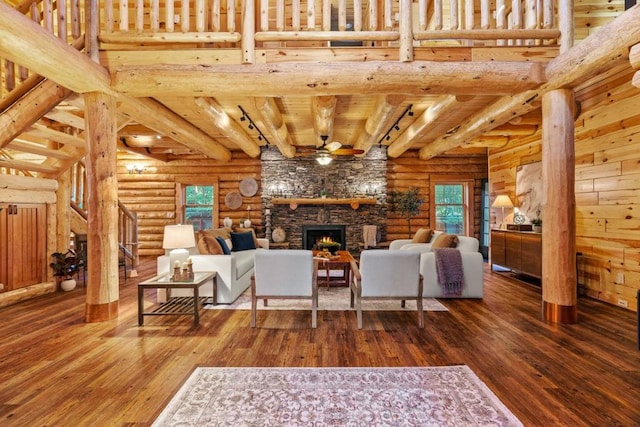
253, 233
223, 245
216, 232
445, 240
242, 241
209, 245
423, 235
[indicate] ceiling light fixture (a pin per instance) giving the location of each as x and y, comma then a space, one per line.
323, 159
252, 126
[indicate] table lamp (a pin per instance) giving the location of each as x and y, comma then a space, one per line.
178, 238
502, 201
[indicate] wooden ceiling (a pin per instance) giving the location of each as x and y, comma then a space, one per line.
205, 103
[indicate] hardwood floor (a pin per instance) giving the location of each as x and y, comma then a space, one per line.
57, 370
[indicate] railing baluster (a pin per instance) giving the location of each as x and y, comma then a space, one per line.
422, 14
437, 15
485, 14
326, 15
357, 15
280, 15
62, 20
200, 16
342, 15
549, 15
108, 16
9, 75
373, 15
469, 14
311, 15
231, 16
170, 16
454, 14
76, 31
264, 15
184, 16
295, 15
139, 5
388, 14
124, 16
154, 16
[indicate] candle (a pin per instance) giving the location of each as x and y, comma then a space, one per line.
184, 265
189, 261
177, 264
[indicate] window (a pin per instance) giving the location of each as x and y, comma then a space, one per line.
197, 203
451, 205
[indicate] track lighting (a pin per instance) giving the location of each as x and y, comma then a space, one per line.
245, 116
396, 125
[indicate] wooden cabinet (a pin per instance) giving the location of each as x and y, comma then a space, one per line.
520, 251
22, 245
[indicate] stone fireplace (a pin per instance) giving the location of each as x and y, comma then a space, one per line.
346, 177
312, 233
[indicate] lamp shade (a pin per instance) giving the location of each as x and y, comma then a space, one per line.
178, 236
324, 159
502, 201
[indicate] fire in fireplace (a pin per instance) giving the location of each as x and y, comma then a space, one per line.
313, 233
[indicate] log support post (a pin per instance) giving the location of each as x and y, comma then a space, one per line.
559, 286
102, 212
63, 219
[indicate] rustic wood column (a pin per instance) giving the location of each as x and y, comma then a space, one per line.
63, 221
102, 208
559, 288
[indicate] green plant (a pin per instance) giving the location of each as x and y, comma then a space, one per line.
406, 203
64, 264
536, 221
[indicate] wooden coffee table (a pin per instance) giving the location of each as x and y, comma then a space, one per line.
177, 305
342, 262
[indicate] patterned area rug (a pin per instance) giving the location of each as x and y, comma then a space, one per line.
336, 298
433, 396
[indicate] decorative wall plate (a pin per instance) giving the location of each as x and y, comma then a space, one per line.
233, 200
248, 187
518, 218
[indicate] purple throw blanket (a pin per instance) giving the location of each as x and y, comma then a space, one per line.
449, 269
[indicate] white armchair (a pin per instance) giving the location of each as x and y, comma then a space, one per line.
285, 275
387, 275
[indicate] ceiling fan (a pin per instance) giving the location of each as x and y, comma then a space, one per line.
325, 152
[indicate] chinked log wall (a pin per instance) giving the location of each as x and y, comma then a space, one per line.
607, 187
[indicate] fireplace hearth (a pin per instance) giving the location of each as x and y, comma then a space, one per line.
312, 233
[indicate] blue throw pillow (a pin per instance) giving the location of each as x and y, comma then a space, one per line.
223, 245
242, 241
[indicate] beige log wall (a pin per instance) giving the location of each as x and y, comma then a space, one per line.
409, 171
152, 195
607, 188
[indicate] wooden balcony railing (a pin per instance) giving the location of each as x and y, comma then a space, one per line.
391, 23
61, 18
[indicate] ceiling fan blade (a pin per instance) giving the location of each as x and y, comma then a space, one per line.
347, 152
333, 146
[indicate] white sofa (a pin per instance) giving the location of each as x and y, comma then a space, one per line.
233, 272
472, 266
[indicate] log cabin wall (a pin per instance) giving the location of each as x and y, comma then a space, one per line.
607, 135
409, 171
152, 193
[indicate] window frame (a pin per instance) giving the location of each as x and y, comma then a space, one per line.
467, 183
183, 182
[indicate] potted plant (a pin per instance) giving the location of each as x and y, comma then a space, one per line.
329, 245
537, 224
406, 203
64, 266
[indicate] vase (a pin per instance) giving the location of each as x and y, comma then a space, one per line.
68, 284
278, 235
227, 222
247, 223
537, 228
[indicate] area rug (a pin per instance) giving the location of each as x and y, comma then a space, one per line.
333, 299
431, 396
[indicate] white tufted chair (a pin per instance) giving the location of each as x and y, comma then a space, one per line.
387, 275
286, 274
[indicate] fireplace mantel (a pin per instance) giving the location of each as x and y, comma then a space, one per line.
353, 202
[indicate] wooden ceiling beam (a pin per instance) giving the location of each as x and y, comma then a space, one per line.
38, 149
305, 79
29, 109
55, 135
443, 106
27, 166
142, 151
323, 111
379, 121
28, 44
154, 115
274, 122
66, 117
228, 126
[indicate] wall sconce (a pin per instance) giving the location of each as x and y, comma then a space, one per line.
135, 168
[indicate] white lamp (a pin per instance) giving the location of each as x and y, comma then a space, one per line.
502, 201
178, 238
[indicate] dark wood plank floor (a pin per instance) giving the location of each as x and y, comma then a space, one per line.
57, 370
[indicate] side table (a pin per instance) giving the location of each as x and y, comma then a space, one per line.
281, 245
176, 305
